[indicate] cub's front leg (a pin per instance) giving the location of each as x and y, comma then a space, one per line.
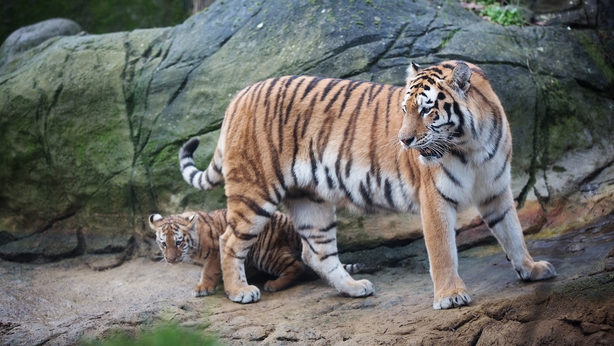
210, 276
439, 221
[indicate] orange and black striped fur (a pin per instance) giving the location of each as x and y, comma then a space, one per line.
195, 235
438, 145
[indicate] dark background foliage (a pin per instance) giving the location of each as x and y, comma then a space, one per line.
94, 16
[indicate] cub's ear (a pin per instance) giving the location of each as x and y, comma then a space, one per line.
412, 71
192, 222
460, 79
153, 218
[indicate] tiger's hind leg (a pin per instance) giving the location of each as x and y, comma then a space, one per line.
246, 219
316, 222
499, 213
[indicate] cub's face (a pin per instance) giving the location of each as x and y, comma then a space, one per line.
433, 115
173, 235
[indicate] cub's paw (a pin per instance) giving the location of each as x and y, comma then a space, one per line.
244, 295
203, 290
542, 270
451, 299
358, 288
276, 285
271, 287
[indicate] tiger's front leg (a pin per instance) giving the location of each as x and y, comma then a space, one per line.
438, 222
316, 223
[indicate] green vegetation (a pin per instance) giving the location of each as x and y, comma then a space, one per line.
161, 336
94, 16
498, 11
504, 15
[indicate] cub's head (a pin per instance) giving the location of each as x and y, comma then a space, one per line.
434, 109
173, 235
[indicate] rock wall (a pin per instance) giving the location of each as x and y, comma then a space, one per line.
90, 126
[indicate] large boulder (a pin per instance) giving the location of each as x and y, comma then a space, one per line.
31, 36
90, 126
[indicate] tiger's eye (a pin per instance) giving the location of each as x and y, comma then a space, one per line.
178, 242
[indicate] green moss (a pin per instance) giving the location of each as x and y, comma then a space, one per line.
558, 169
560, 124
448, 38
352, 235
592, 288
596, 52
565, 135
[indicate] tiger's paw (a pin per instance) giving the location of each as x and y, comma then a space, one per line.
451, 299
244, 295
358, 288
542, 270
203, 290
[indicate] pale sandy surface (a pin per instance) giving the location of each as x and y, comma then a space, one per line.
59, 303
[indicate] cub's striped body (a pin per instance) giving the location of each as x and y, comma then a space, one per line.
194, 235
313, 143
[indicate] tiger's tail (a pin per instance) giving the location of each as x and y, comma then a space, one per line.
355, 268
203, 180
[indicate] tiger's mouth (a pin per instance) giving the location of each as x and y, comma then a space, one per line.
173, 260
430, 154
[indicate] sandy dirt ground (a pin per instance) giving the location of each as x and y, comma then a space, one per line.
61, 303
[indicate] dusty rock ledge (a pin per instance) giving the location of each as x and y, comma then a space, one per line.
59, 303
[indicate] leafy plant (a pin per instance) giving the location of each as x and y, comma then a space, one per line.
504, 15
497, 11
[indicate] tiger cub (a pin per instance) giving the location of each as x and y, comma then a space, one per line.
195, 235
437, 146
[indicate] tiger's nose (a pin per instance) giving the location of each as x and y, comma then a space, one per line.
408, 141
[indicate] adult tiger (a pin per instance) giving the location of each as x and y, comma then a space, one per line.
195, 235
312, 143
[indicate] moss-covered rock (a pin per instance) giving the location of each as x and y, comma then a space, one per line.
90, 126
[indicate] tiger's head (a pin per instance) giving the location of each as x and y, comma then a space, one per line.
434, 109
173, 235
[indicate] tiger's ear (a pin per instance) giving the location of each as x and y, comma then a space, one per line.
413, 70
460, 79
153, 218
192, 218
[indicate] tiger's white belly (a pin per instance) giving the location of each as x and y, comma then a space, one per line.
359, 189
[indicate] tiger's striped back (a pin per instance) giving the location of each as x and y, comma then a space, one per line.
319, 136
